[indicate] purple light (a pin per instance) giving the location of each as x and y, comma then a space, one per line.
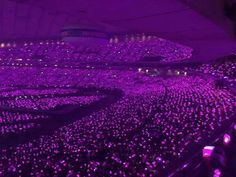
176, 106
207, 151
226, 139
217, 173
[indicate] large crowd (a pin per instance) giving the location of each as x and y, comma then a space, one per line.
38, 103
58, 53
223, 68
157, 121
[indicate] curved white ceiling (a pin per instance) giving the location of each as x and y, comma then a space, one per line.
171, 19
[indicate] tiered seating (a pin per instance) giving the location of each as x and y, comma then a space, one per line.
56, 53
38, 103
25, 92
156, 122
225, 69
15, 123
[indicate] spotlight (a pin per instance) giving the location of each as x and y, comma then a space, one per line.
226, 139
2, 45
111, 41
143, 37
217, 173
207, 151
116, 40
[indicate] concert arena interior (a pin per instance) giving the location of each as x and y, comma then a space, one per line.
118, 88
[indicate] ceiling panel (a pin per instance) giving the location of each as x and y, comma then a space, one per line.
171, 19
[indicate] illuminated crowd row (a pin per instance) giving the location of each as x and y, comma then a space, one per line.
224, 68
154, 123
60, 54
